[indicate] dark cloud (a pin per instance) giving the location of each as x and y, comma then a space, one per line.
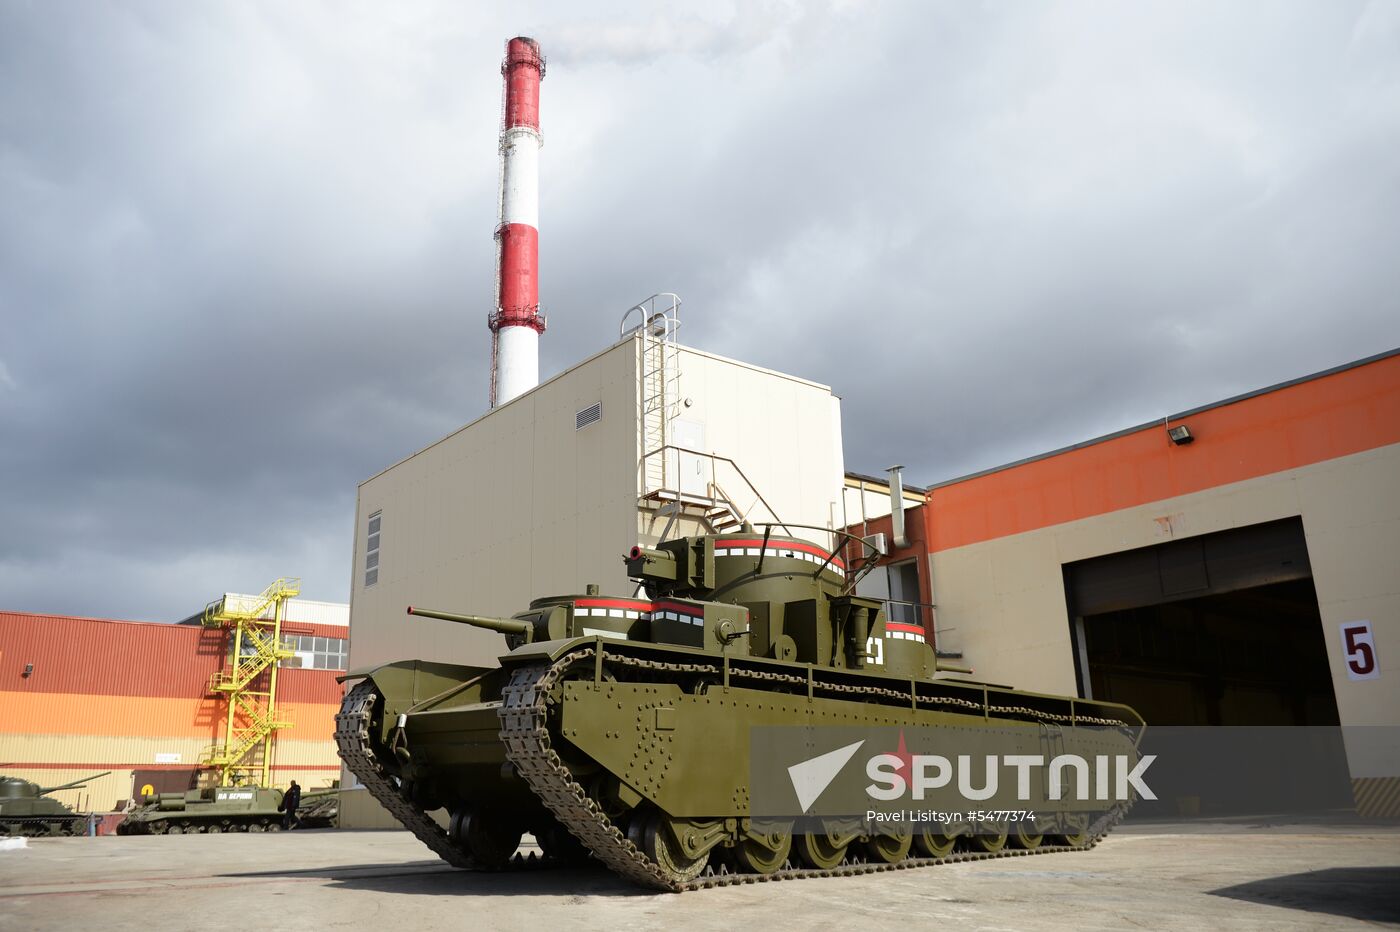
245, 251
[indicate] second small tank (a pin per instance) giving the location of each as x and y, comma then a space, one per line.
210, 810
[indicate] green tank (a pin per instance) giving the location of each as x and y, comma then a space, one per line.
25, 808
623, 730
211, 810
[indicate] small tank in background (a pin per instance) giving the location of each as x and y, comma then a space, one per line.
213, 810
25, 808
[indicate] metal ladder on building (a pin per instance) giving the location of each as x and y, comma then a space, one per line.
250, 684
663, 490
658, 377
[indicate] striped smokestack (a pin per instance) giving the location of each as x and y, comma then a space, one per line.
516, 322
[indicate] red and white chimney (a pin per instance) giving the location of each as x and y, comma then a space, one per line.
516, 322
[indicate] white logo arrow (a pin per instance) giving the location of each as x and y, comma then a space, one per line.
811, 777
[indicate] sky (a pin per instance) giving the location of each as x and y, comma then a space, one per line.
246, 252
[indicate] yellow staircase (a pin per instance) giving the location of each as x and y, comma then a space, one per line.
254, 627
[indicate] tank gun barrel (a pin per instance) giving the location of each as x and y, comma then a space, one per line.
649, 563
501, 625
74, 784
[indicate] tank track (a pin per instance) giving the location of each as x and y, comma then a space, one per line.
352, 740
524, 731
43, 826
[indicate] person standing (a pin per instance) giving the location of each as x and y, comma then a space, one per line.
290, 801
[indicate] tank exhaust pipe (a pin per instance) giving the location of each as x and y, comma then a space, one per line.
897, 532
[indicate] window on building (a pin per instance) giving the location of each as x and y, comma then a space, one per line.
372, 550
904, 594
317, 653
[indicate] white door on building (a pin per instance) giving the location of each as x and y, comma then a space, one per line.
693, 470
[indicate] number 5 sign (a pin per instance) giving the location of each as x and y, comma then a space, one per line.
1359, 650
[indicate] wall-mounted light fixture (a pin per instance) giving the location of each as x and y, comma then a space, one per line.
1180, 434
28, 670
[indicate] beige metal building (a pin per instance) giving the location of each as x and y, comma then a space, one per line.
546, 493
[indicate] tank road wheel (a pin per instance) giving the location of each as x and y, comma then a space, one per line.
602, 789
885, 848
1074, 829
933, 843
767, 855
1025, 833
487, 839
659, 842
821, 850
559, 844
272, 826
256, 827
213, 828
988, 837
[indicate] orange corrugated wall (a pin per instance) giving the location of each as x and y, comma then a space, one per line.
1309, 422
102, 677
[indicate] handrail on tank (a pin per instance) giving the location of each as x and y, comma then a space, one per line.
868, 561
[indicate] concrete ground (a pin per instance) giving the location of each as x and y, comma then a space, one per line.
1286, 877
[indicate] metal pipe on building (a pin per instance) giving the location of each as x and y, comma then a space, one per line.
516, 322
899, 539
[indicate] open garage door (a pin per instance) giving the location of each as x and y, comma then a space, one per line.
1220, 629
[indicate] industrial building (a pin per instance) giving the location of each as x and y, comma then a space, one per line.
545, 494
1232, 564
1235, 564
149, 701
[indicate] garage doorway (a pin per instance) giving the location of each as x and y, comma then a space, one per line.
1219, 629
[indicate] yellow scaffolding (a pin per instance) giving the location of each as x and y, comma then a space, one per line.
254, 627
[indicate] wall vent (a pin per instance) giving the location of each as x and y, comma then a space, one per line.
589, 415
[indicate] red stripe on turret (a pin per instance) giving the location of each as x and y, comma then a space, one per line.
775, 545
631, 605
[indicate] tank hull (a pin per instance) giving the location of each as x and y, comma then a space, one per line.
38, 826
609, 748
